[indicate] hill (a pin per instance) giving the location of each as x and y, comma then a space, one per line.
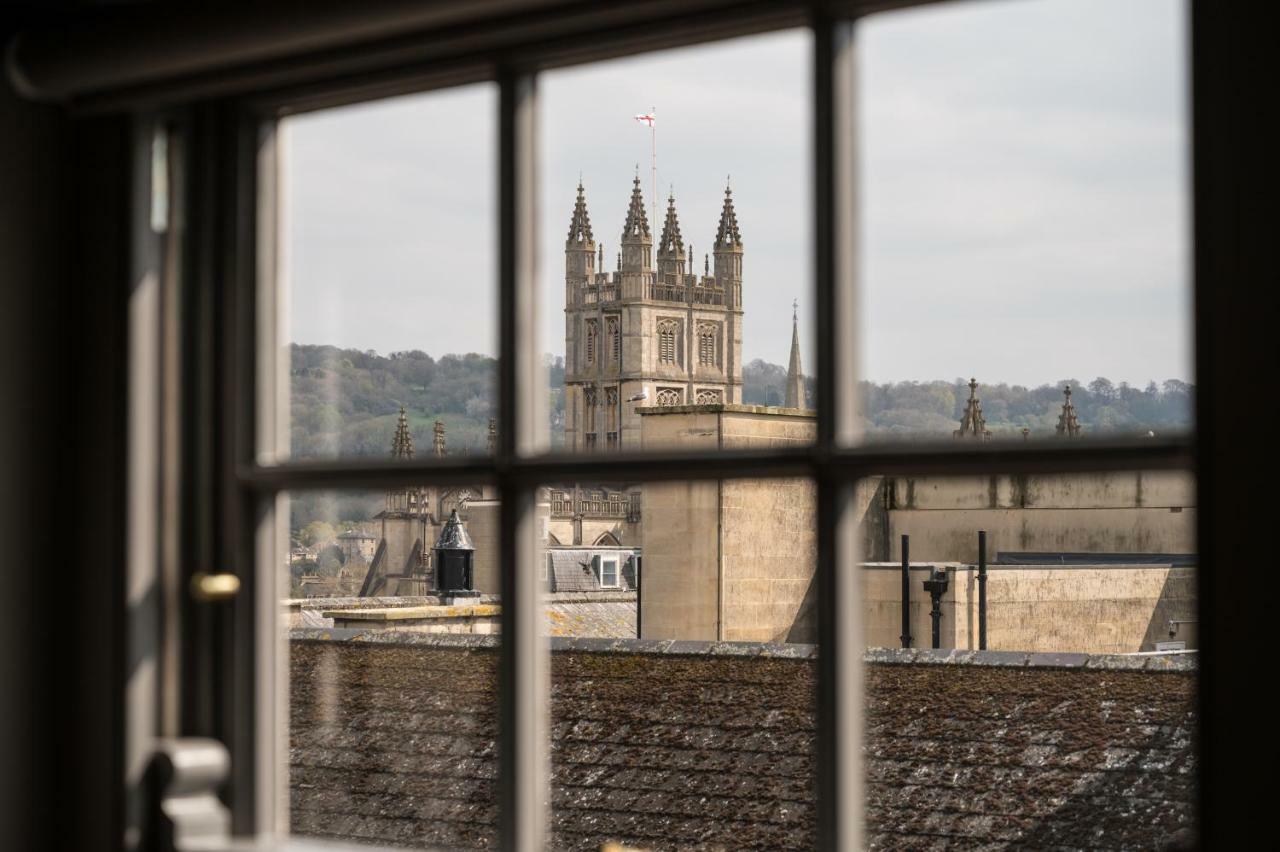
345, 401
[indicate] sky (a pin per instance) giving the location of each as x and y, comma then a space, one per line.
1022, 193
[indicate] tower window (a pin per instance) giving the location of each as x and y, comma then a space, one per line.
670, 396
593, 334
667, 331
615, 339
707, 345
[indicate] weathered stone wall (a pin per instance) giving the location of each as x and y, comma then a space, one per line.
482, 526
768, 547
732, 560
1098, 513
668, 745
725, 426
680, 585
1094, 609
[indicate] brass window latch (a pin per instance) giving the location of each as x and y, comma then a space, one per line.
213, 588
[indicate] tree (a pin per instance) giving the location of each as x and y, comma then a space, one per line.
316, 532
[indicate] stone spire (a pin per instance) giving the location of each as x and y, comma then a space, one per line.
580, 224
973, 424
493, 436
636, 257
402, 443
728, 252
671, 243
795, 380
671, 255
636, 228
579, 250
437, 439
1068, 426
727, 235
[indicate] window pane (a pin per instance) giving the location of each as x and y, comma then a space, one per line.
1080, 714
392, 619
684, 179
683, 686
388, 276
1024, 221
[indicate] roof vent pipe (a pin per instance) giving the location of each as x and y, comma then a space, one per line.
906, 591
982, 590
936, 586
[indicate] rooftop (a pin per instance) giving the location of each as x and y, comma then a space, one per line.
708, 744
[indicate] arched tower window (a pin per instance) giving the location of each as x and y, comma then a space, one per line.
615, 339
667, 332
589, 403
707, 344
593, 342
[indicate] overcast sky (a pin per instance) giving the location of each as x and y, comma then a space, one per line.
1023, 193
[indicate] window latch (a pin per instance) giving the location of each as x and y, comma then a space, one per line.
213, 588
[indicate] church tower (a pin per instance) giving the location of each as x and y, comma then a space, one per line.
645, 336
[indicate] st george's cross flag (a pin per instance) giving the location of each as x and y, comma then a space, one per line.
647, 118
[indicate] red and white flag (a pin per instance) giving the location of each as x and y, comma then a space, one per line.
648, 118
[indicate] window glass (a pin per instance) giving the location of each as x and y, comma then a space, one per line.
1024, 233
1023, 693
682, 622
387, 276
683, 276
392, 620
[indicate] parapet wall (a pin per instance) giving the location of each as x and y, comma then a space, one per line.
666, 744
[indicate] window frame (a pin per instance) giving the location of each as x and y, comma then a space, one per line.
252, 478
616, 572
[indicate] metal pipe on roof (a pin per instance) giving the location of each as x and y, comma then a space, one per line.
982, 590
936, 586
906, 591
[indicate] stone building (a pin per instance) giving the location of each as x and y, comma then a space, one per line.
358, 544
657, 332
413, 519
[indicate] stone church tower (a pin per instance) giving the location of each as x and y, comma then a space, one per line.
665, 332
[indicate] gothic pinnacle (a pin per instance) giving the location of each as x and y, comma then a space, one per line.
1068, 426
727, 235
973, 424
580, 224
637, 224
437, 439
671, 242
402, 443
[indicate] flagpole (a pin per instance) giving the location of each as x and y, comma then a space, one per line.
653, 150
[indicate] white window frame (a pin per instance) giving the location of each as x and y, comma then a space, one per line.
617, 572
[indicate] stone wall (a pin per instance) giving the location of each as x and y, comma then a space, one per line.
665, 745
731, 560
1095, 513
1095, 609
